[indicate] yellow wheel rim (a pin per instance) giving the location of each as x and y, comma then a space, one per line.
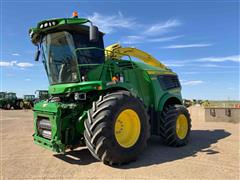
181, 126
127, 128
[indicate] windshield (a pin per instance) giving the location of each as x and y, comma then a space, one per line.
29, 97
2, 95
10, 95
60, 58
88, 55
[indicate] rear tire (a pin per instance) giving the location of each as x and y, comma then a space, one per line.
21, 105
8, 106
101, 136
175, 125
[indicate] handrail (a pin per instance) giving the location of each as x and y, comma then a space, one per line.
107, 52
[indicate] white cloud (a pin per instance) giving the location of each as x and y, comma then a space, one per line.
10, 75
234, 58
208, 62
14, 63
211, 65
111, 23
107, 23
24, 65
163, 27
165, 39
27, 79
15, 54
173, 64
145, 39
209, 72
7, 63
190, 72
186, 46
152, 33
191, 83
134, 39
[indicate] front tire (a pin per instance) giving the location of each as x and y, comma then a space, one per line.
8, 106
117, 128
175, 125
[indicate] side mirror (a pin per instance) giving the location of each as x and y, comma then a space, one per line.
93, 34
37, 54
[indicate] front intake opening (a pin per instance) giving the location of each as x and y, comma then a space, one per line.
44, 127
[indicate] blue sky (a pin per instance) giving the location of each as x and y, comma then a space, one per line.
198, 40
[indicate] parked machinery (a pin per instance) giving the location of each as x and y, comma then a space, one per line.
9, 100
28, 101
101, 99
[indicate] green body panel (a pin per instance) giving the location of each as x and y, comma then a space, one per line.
74, 87
67, 116
36, 32
47, 107
171, 94
66, 124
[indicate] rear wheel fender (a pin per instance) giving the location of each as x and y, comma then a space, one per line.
168, 99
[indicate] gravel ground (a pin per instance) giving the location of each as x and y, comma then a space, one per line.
213, 153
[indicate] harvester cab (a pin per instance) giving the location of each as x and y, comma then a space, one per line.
69, 49
99, 99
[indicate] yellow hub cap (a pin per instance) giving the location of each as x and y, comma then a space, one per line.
181, 126
127, 128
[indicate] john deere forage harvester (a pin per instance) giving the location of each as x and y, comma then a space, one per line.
100, 97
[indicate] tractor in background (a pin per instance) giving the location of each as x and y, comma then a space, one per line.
100, 97
9, 100
28, 101
187, 103
3, 99
41, 95
2, 95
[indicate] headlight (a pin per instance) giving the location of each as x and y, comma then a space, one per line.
80, 96
31, 34
46, 25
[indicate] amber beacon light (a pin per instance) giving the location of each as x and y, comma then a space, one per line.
75, 14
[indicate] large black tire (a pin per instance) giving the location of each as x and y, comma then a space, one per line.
168, 125
8, 106
20, 105
99, 128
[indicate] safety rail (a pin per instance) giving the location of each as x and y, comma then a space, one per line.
107, 57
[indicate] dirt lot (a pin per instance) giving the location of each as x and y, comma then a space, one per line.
213, 153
